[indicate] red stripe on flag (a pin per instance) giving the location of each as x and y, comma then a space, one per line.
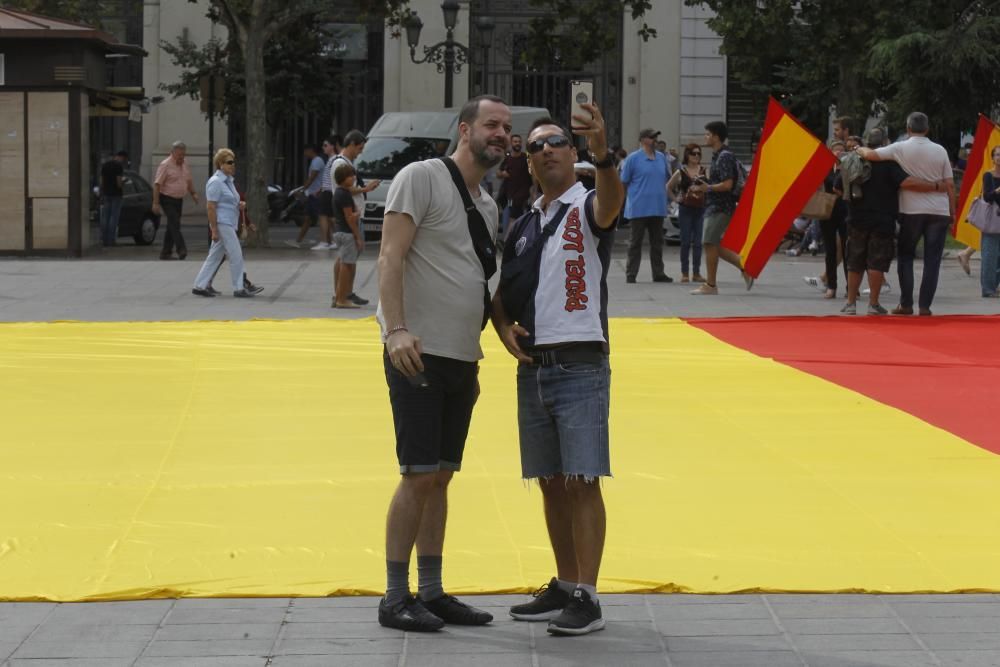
910, 363
974, 165
791, 204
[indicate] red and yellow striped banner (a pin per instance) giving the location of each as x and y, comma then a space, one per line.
979, 162
789, 166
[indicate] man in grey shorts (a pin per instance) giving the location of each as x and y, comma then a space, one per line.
563, 380
720, 204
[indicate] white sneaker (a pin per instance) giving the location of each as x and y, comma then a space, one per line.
886, 287
792, 252
812, 281
321, 246
813, 245
292, 244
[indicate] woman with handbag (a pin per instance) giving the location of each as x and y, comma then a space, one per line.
989, 276
224, 209
691, 209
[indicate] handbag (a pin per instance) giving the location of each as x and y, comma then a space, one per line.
984, 216
820, 206
519, 272
482, 242
692, 199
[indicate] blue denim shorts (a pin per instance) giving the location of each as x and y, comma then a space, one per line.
562, 415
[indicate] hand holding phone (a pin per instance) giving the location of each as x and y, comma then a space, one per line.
580, 92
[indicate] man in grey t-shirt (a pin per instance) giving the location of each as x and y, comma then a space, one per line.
431, 290
926, 215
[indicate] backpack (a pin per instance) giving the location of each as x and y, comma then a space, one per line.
741, 175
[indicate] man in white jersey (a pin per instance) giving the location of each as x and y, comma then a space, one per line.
558, 331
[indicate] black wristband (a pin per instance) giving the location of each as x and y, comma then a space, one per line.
608, 161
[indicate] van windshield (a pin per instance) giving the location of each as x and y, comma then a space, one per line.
383, 157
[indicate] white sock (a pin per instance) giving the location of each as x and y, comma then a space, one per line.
591, 590
566, 586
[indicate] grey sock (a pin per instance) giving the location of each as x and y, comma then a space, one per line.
397, 584
429, 577
592, 590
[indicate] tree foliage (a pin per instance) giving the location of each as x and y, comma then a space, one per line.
892, 57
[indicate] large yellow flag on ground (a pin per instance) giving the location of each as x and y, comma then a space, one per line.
790, 164
979, 162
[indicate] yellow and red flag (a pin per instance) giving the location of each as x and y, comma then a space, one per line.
789, 166
979, 162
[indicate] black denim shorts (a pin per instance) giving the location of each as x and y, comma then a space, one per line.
432, 422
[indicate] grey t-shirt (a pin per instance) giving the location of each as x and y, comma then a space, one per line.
921, 157
442, 277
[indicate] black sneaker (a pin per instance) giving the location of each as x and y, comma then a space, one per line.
214, 291
197, 291
548, 603
453, 611
581, 616
242, 294
409, 615
663, 279
255, 289
357, 300
629, 280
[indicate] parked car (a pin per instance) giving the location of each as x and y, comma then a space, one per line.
671, 225
137, 218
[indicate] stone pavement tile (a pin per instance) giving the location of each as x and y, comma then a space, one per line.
728, 644
8, 647
711, 612
341, 646
331, 661
599, 659
941, 598
79, 649
198, 615
953, 624
332, 615
900, 642
208, 648
656, 599
370, 630
189, 661
984, 641
632, 637
103, 632
739, 659
203, 631
471, 660
139, 612
15, 633
509, 637
364, 601
969, 658
231, 603
944, 609
24, 613
842, 626
833, 609
869, 659
717, 627
776, 599
79, 662
636, 612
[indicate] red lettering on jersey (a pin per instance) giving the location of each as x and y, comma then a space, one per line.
572, 233
576, 283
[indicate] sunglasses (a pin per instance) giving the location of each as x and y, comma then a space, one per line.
555, 140
229, 162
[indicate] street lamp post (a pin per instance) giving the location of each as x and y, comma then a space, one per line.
449, 55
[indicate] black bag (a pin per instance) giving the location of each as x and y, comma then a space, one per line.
482, 242
519, 273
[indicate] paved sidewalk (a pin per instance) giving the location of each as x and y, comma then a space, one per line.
661, 630
130, 283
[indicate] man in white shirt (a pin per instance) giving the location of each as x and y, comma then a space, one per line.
925, 215
559, 333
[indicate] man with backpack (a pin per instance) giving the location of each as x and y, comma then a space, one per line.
725, 179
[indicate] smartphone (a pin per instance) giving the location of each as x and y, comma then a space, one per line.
580, 92
418, 380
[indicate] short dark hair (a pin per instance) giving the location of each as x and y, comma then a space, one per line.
335, 140
844, 122
548, 121
516, 135
719, 129
309, 147
341, 173
470, 110
688, 150
121, 154
355, 137
918, 122
856, 139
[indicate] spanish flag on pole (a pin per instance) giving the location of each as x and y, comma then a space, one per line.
979, 162
789, 167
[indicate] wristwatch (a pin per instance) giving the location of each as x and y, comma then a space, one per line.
608, 161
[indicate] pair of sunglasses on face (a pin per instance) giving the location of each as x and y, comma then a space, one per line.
230, 162
555, 140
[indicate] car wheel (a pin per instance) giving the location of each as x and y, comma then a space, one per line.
147, 232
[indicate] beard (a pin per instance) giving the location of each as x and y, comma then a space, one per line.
480, 149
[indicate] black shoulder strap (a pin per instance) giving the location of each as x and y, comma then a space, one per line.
550, 228
482, 242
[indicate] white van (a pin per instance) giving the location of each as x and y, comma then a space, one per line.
401, 137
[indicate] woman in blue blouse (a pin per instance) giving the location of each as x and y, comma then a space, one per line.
224, 207
989, 276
